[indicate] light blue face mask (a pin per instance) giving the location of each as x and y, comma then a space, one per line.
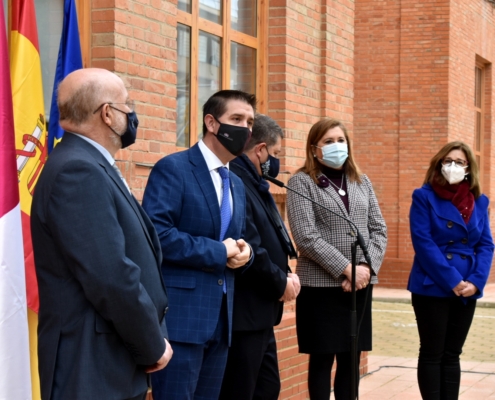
334, 155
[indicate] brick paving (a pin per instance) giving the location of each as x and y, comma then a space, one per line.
392, 363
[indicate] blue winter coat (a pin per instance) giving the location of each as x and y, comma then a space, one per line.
447, 250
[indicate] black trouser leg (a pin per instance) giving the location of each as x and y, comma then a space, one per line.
252, 367
319, 370
320, 367
443, 325
342, 385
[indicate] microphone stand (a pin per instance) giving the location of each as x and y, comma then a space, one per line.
359, 242
354, 325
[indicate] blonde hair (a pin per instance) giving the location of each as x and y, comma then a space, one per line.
435, 170
312, 167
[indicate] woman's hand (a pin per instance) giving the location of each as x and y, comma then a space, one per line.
469, 290
346, 285
460, 286
362, 277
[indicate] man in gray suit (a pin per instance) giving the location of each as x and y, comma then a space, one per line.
97, 255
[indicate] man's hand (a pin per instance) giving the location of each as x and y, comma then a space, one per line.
459, 288
468, 290
231, 247
290, 291
295, 281
240, 259
163, 361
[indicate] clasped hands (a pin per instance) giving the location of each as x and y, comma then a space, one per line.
465, 289
238, 252
362, 277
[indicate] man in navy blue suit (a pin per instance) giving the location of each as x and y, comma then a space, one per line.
252, 367
198, 209
102, 298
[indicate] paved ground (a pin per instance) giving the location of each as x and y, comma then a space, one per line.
392, 364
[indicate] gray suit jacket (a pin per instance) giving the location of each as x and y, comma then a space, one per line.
102, 298
323, 239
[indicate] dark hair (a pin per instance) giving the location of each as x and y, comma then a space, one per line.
216, 105
80, 105
435, 170
313, 167
265, 130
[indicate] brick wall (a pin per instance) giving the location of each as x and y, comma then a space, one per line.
472, 40
310, 71
137, 40
414, 92
376, 112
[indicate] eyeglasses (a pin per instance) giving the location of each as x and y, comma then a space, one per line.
129, 103
458, 162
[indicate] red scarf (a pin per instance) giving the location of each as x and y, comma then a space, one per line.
460, 195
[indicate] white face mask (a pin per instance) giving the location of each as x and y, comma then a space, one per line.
334, 154
453, 173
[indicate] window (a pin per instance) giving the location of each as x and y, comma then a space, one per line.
479, 98
217, 48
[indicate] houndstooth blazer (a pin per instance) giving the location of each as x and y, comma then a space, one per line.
324, 240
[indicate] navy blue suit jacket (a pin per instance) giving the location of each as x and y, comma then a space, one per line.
181, 201
447, 249
258, 289
102, 298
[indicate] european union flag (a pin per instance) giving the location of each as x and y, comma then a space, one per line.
69, 59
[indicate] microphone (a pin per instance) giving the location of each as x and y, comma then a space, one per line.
360, 238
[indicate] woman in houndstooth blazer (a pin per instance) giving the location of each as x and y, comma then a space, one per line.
332, 179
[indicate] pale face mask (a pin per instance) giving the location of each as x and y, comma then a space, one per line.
334, 155
453, 173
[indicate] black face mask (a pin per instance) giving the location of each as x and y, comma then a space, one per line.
233, 138
271, 167
129, 136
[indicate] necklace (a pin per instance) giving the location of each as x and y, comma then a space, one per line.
340, 190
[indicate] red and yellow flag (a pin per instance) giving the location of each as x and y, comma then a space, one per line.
30, 143
15, 376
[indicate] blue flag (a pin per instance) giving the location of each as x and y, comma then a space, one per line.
69, 59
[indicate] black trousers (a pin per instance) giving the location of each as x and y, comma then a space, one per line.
252, 367
320, 367
443, 325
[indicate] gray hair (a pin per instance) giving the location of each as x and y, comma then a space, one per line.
265, 130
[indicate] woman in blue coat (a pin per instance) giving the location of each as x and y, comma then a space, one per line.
453, 247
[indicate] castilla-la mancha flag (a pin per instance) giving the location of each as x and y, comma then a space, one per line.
30, 143
15, 376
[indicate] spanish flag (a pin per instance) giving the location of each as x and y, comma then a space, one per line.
15, 381
30, 143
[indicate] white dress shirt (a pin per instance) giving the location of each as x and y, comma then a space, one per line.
213, 163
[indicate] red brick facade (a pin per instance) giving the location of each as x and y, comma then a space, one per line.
414, 92
137, 40
400, 74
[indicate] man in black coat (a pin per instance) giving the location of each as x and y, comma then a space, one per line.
102, 298
252, 366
